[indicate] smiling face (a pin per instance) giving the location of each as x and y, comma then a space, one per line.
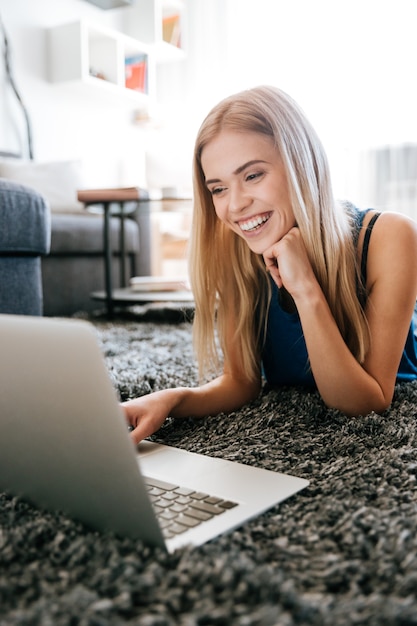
247, 181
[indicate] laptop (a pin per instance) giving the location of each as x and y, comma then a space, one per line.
64, 445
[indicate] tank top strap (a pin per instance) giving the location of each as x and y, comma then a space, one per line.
357, 217
367, 237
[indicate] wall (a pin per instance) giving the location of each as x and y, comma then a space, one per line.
66, 122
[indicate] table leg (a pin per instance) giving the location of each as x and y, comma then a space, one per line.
107, 259
122, 246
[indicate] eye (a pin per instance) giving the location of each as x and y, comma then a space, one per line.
253, 176
215, 191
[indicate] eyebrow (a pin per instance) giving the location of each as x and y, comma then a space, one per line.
239, 170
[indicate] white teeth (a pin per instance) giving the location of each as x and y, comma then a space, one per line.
252, 224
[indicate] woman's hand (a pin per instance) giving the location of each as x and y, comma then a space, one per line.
288, 263
147, 413
223, 394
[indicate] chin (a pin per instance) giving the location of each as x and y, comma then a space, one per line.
256, 248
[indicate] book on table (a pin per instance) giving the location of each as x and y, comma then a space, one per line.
159, 283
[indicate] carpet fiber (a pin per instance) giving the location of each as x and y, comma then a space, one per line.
341, 552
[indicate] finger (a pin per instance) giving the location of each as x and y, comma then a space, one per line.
131, 411
270, 260
125, 412
140, 432
276, 277
273, 269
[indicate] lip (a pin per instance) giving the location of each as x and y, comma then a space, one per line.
253, 225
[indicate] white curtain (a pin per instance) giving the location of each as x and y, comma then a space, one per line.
351, 66
387, 178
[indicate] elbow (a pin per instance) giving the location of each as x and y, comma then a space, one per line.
250, 391
366, 409
359, 407
253, 390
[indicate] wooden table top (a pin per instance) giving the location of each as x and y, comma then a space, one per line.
120, 194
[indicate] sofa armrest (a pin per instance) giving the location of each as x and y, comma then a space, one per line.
25, 221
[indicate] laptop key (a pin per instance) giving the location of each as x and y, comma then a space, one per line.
161, 502
168, 515
200, 515
182, 491
183, 500
154, 491
164, 523
208, 508
160, 484
212, 500
178, 508
177, 529
227, 504
190, 522
170, 495
199, 496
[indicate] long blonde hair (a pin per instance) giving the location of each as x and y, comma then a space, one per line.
227, 278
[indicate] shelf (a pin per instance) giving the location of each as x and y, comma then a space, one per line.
159, 23
110, 4
100, 57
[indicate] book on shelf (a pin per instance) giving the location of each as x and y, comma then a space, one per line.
171, 30
136, 70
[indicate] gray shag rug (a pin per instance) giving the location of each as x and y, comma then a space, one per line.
341, 552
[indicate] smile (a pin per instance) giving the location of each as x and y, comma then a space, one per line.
254, 222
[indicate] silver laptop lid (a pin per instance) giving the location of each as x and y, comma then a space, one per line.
64, 443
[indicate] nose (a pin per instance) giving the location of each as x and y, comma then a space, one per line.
238, 199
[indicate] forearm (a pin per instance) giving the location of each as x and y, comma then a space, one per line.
221, 395
341, 380
224, 394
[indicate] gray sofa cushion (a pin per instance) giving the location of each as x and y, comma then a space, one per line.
82, 234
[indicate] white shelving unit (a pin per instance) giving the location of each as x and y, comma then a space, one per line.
100, 57
159, 23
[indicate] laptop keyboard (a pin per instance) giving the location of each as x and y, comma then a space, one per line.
178, 509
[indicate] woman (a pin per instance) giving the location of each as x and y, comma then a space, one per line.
293, 282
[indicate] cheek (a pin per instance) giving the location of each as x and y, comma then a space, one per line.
220, 211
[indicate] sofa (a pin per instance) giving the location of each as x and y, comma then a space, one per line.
74, 266
74, 269
25, 230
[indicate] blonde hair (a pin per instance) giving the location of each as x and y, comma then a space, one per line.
227, 277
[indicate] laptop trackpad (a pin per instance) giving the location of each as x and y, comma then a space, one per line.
184, 468
148, 447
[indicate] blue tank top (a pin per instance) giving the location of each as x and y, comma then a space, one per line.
284, 355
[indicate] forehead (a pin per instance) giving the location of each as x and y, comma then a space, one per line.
229, 149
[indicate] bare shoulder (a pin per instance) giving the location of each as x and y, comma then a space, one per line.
393, 246
398, 221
